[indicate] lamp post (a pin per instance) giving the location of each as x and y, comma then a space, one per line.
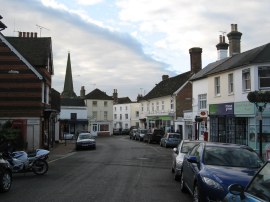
260, 99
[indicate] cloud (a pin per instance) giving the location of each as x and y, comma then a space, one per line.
128, 45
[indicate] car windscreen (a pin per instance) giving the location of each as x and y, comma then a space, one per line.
187, 146
174, 136
85, 136
231, 156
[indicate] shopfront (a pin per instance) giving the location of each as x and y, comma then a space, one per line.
163, 122
239, 123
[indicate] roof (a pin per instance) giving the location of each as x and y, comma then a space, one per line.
98, 95
257, 55
34, 50
202, 73
72, 102
123, 100
168, 86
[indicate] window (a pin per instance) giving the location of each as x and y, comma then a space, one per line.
153, 107
246, 79
94, 114
217, 86
157, 106
73, 116
137, 113
126, 115
172, 104
148, 107
94, 103
105, 103
142, 107
105, 115
114, 108
120, 116
202, 101
264, 77
162, 105
120, 108
126, 108
115, 116
230, 83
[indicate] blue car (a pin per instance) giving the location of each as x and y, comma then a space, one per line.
209, 168
257, 190
170, 140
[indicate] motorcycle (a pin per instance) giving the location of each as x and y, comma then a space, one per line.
22, 162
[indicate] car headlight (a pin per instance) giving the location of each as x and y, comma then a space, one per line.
212, 183
179, 162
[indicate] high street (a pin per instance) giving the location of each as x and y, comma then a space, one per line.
119, 169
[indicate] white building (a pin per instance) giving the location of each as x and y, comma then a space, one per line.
99, 112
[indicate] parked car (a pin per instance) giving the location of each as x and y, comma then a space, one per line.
257, 190
68, 136
125, 131
5, 175
116, 131
209, 168
170, 140
154, 136
140, 134
85, 141
178, 155
132, 133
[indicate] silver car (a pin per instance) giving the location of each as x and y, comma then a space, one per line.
178, 156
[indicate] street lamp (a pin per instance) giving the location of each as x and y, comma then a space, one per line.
260, 99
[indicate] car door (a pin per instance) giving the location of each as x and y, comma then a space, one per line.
191, 169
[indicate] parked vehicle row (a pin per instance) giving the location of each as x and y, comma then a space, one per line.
210, 168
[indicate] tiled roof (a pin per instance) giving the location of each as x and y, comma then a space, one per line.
34, 50
72, 102
98, 95
257, 55
123, 100
168, 86
202, 73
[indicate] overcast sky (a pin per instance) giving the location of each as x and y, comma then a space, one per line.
129, 44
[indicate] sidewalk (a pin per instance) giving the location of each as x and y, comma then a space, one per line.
61, 149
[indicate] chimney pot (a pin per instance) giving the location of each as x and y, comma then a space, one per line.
164, 77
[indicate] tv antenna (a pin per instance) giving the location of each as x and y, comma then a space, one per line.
40, 28
222, 32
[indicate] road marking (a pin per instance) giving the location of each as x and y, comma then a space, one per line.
65, 156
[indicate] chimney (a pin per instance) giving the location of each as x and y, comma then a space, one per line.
195, 59
20, 34
222, 48
82, 92
234, 40
115, 96
164, 77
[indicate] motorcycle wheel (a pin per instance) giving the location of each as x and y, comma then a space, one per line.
40, 167
6, 180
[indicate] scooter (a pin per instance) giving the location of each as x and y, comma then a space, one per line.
22, 162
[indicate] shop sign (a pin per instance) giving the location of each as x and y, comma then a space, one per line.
244, 108
221, 109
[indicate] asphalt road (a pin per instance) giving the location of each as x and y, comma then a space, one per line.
119, 170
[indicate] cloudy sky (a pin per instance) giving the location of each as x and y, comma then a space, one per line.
129, 44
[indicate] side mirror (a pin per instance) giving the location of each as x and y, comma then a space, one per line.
175, 150
237, 189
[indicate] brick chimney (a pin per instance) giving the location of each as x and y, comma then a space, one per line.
195, 59
222, 48
234, 40
82, 92
115, 96
164, 77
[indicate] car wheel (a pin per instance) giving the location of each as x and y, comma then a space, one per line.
196, 194
6, 180
182, 184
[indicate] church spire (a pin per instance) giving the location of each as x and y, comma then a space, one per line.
68, 91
